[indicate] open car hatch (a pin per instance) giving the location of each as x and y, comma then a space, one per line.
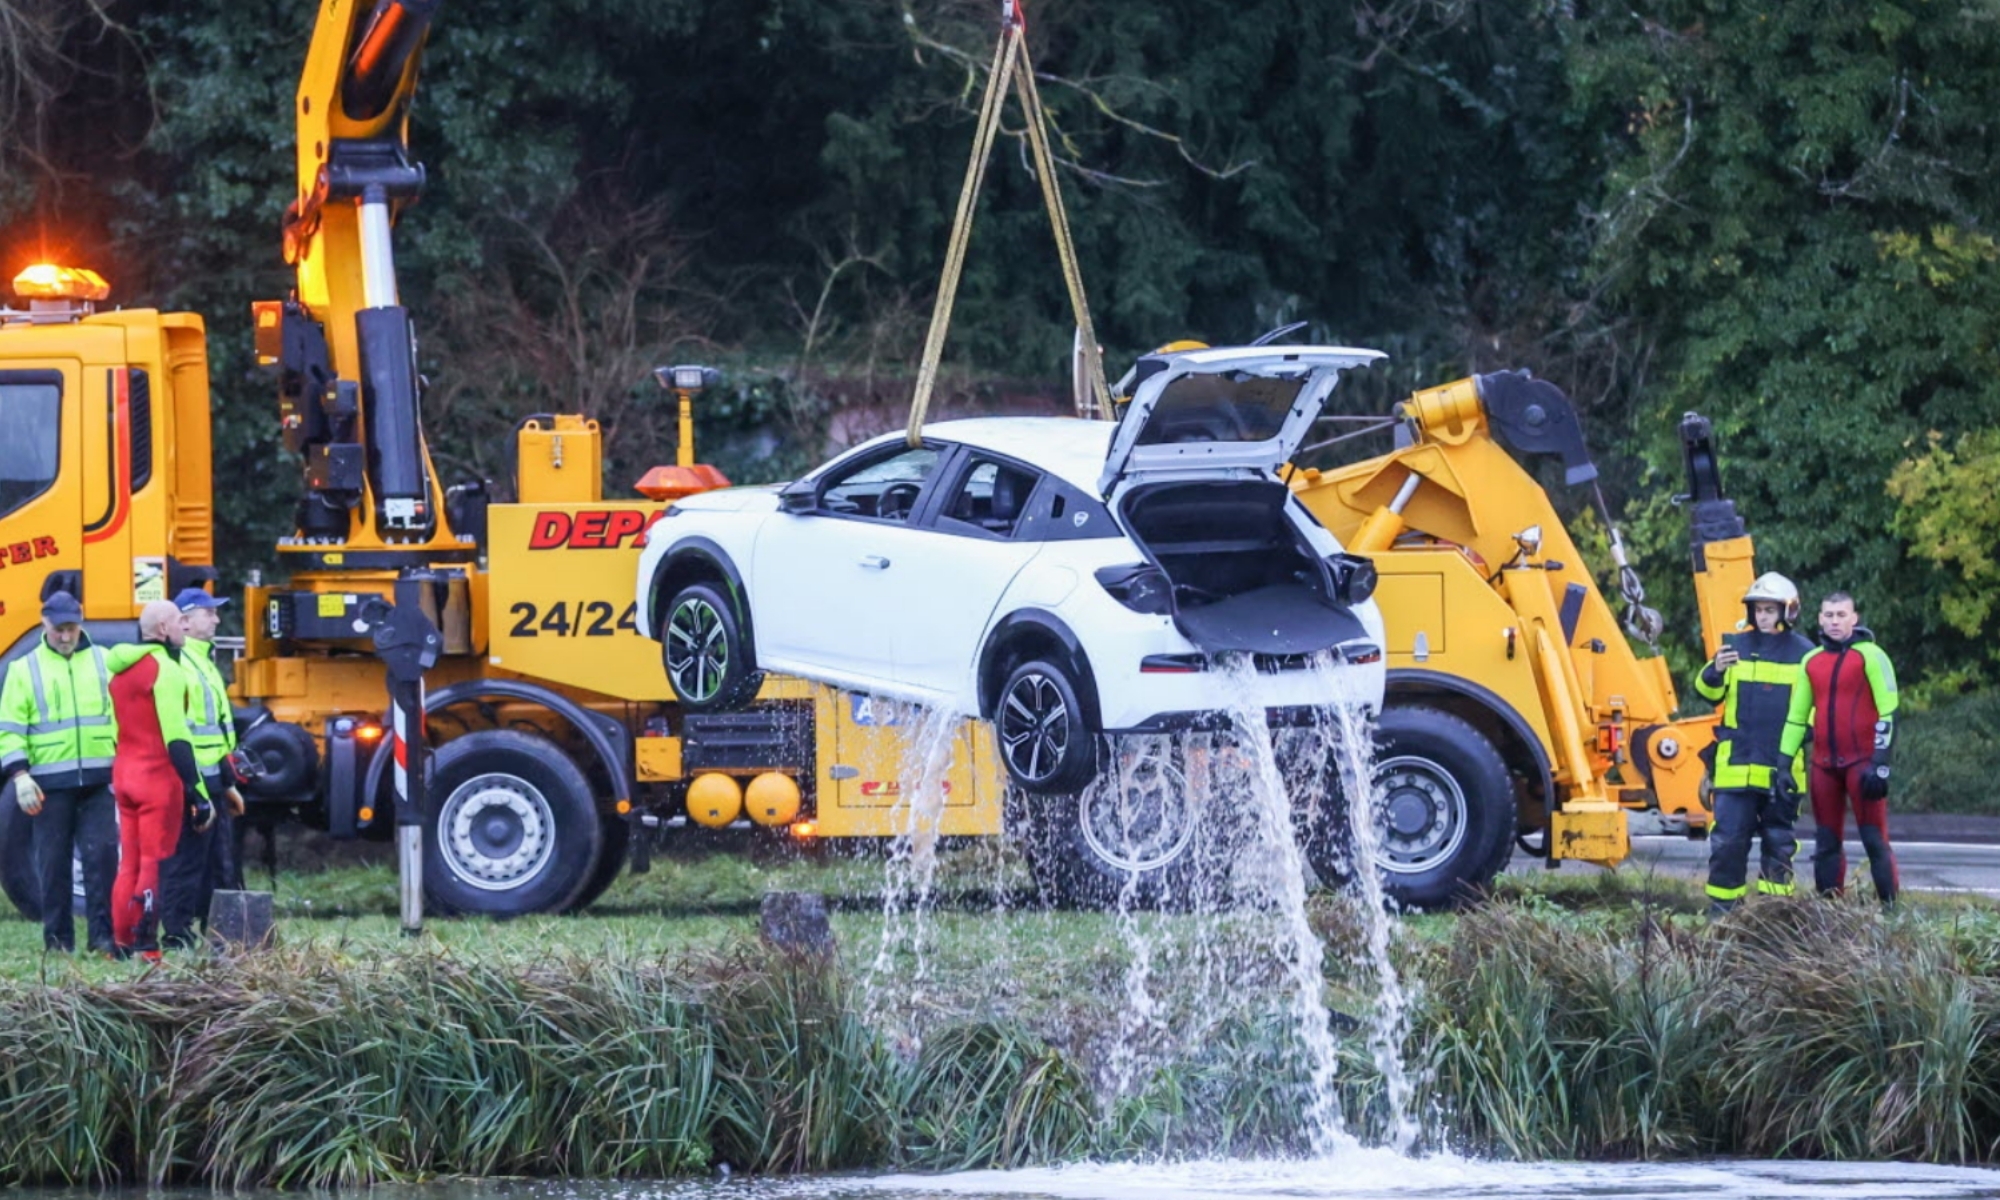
1233, 407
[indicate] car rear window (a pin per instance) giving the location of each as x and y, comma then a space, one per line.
1221, 408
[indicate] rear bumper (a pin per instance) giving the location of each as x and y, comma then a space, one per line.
1201, 700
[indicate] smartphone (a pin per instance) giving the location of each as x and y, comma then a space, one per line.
1735, 642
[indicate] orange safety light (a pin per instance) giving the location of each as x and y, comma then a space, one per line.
804, 830
368, 733
47, 281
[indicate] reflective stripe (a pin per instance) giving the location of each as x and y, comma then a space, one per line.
35, 677
1776, 889
42, 727
70, 764
13, 727
1723, 893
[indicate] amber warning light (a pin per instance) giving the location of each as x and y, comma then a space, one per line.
47, 281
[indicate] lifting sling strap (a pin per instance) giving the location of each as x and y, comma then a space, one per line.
1010, 63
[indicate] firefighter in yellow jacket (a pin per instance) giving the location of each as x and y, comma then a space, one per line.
57, 735
1755, 786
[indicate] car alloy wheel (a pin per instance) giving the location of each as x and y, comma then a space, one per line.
1034, 727
697, 649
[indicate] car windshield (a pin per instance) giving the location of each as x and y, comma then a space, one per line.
1230, 407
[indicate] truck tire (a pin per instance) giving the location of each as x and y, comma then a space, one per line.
17, 866
509, 827
1094, 848
1447, 815
610, 860
710, 663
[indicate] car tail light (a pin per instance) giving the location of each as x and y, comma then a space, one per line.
1141, 587
1173, 664
1359, 653
1354, 577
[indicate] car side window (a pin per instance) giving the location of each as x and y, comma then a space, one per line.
881, 489
990, 497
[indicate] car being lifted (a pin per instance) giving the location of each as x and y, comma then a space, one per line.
1062, 578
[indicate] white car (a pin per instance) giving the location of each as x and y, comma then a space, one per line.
1062, 578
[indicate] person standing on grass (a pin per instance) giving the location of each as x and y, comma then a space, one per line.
1756, 787
203, 859
153, 775
1849, 710
56, 739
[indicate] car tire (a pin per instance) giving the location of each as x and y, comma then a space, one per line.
1096, 849
1447, 818
1040, 730
509, 827
708, 658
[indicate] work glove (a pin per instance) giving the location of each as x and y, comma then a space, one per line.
27, 793
1875, 781
234, 800
200, 812
1783, 789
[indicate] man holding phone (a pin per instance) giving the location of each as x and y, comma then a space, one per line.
1755, 782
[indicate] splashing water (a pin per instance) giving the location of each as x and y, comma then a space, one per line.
910, 873
1301, 954
1388, 1025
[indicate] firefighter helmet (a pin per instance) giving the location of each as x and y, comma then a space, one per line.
1774, 588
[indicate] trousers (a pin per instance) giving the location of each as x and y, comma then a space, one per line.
1834, 789
76, 825
203, 860
1740, 815
149, 827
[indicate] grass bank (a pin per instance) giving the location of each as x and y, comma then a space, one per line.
1593, 1016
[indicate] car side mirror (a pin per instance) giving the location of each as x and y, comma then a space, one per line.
800, 497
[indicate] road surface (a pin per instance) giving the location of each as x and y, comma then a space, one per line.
1933, 853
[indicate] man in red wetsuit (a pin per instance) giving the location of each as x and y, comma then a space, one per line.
1849, 707
153, 775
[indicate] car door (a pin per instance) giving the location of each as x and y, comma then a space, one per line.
824, 580
944, 601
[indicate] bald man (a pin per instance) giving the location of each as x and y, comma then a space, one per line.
153, 776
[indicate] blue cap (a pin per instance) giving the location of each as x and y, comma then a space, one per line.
196, 598
62, 608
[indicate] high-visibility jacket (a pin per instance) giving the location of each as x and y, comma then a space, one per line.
1849, 706
56, 718
211, 725
1756, 694
153, 688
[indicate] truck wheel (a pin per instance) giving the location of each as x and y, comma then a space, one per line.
17, 866
1131, 834
1039, 726
510, 827
610, 860
17, 861
1445, 815
709, 661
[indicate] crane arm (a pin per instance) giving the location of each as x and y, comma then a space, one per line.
345, 345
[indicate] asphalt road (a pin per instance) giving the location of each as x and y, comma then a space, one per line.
1941, 854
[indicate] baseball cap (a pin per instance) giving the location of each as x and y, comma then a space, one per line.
196, 598
62, 608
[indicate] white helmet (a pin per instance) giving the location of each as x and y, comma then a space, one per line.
1775, 589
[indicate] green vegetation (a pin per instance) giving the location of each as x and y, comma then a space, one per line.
1575, 1016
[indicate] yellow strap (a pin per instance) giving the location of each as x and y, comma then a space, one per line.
961, 226
1010, 62
1099, 402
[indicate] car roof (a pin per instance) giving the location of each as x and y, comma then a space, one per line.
1070, 448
